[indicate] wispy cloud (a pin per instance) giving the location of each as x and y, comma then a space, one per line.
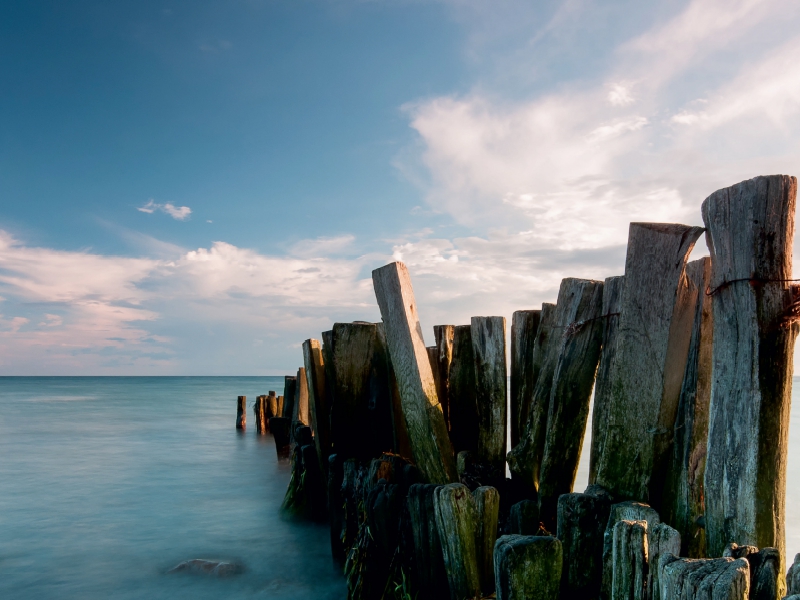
179, 213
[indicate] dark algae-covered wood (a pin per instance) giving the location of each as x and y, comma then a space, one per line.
683, 493
582, 520
318, 405
661, 539
793, 577
487, 511
427, 430
655, 325
629, 561
523, 518
489, 349
280, 428
766, 570
527, 567
289, 392
524, 325
612, 294
570, 392
429, 574
463, 402
703, 579
750, 231
443, 335
241, 412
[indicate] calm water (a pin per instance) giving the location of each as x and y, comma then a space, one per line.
106, 483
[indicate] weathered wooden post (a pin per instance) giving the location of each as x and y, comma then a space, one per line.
487, 511
289, 387
279, 402
766, 570
456, 521
692, 579
429, 571
527, 567
793, 577
489, 348
629, 579
683, 501
241, 412
443, 334
622, 511
281, 432
427, 430
402, 446
750, 230
582, 520
661, 539
300, 408
273, 406
260, 412
318, 405
524, 325
655, 326
612, 294
570, 392
463, 402
523, 518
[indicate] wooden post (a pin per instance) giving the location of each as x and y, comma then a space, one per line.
523, 518
655, 326
433, 358
402, 446
571, 392
260, 412
427, 430
766, 570
273, 406
661, 539
793, 577
612, 294
429, 571
463, 402
487, 505
289, 387
443, 334
683, 492
524, 325
527, 567
300, 408
280, 428
629, 581
582, 520
318, 405
489, 348
750, 230
279, 402
622, 511
241, 412
692, 579
456, 522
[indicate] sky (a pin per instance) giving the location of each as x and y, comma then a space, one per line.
194, 188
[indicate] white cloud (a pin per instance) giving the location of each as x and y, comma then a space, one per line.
179, 213
620, 95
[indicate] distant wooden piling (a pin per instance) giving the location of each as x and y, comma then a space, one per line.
318, 405
489, 348
692, 579
750, 233
655, 325
612, 295
241, 412
570, 393
443, 335
260, 412
427, 430
524, 325
527, 567
463, 400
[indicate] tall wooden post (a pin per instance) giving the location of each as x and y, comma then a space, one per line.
300, 408
524, 325
489, 348
289, 391
260, 413
571, 392
750, 230
612, 295
655, 326
443, 334
427, 430
318, 402
241, 412
463, 402
456, 521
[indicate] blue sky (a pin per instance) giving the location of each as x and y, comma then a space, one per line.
196, 188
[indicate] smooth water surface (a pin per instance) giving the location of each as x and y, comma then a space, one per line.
108, 482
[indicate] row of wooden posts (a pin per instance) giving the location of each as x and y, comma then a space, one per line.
403, 447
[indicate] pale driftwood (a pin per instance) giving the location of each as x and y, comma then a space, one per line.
629, 571
524, 325
750, 230
289, 387
661, 539
427, 430
318, 405
359, 391
570, 392
523, 518
612, 294
703, 579
489, 348
430, 577
525, 460
793, 577
527, 567
260, 413
487, 511
582, 520
456, 522
622, 511
683, 496
443, 335
463, 403
655, 326
241, 412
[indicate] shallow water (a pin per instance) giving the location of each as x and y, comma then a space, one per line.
109, 482
106, 483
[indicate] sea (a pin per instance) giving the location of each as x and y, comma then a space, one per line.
106, 483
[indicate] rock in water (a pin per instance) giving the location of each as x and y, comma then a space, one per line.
202, 566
